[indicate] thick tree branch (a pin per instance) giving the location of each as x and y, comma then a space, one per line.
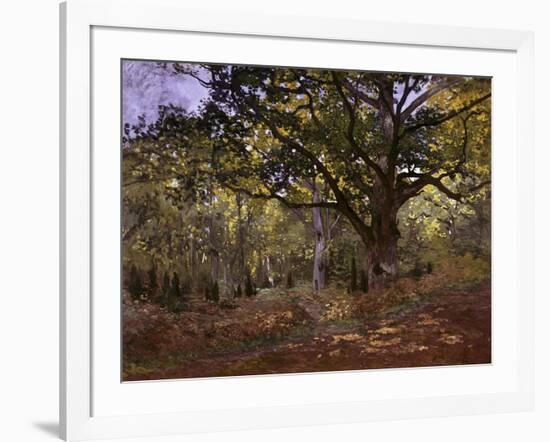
178, 69
416, 187
408, 88
458, 166
438, 121
425, 96
342, 204
273, 195
351, 128
371, 101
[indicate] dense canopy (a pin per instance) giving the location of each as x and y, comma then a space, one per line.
281, 170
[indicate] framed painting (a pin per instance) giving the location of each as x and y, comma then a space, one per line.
318, 221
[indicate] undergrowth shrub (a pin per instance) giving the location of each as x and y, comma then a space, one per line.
152, 332
454, 273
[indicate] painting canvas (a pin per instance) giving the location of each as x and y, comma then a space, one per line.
293, 219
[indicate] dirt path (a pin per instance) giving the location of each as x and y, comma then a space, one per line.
449, 329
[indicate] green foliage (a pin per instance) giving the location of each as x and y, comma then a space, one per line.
465, 269
342, 248
230, 193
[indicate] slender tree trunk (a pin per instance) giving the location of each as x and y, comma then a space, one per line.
260, 270
214, 253
330, 225
193, 263
319, 259
215, 267
240, 236
268, 270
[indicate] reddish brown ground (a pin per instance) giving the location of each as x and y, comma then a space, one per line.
450, 329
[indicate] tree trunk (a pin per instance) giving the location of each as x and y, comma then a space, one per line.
383, 263
214, 266
240, 236
319, 259
193, 263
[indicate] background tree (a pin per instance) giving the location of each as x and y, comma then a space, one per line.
364, 281
153, 281
215, 292
249, 287
353, 276
135, 286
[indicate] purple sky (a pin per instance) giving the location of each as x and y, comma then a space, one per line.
145, 86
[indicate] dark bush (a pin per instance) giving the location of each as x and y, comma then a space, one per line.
429, 268
364, 281
135, 286
353, 276
249, 288
153, 282
416, 272
289, 281
215, 294
165, 285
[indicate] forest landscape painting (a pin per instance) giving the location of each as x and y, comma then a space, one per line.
292, 220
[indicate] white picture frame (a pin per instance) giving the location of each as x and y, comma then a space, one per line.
79, 377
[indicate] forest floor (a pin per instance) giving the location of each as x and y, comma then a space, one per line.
298, 331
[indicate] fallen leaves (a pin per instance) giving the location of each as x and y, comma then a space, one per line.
335, 353
384, 343
388, 330
338, 309
427, 320
283, 334
451, 339
350, 337
412, 347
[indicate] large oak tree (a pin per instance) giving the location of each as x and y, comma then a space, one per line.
374, 140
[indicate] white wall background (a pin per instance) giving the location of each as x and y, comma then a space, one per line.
29, 221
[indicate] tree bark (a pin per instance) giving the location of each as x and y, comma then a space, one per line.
240, 236
214, 266
319, 258
382, 261
382, 258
